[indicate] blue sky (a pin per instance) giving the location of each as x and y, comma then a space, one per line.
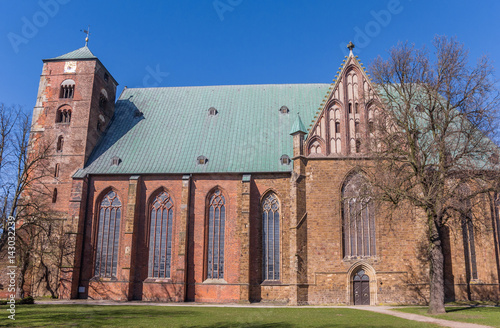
207, 42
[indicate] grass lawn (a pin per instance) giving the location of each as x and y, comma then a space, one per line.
190, 316
489, 316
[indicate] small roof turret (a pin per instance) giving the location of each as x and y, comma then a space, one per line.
298, 126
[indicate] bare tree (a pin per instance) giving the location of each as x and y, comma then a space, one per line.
433, 135
24, 160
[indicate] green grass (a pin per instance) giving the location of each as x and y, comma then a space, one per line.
191, 316
489, 316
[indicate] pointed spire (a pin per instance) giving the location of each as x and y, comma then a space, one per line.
298, 126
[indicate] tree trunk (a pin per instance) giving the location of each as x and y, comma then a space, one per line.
436, 301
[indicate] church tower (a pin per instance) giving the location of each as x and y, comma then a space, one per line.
74, 105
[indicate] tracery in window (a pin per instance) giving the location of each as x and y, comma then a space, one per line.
271, 237
215, 240
108, 235
160, 236
358, 217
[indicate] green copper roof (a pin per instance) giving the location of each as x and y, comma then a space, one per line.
165, 130
82, 53
298, 126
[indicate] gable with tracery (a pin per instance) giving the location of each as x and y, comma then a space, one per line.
346, 118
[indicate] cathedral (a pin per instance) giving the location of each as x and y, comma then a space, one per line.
234, 193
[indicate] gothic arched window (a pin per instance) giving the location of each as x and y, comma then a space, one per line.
468, 234
160, 236
358, 216
108, 235
216, 225
271, 237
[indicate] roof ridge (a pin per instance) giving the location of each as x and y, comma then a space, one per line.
224, 85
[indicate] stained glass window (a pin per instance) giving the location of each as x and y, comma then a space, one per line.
358, 218
160, 236
271, 237
108, 235
216, 225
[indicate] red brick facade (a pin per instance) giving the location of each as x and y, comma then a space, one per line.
313, 265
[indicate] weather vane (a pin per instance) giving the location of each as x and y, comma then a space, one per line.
87, 31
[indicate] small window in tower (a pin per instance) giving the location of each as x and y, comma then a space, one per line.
54, 195
115, 161
202, 160
371, 127
63, 115
350, 108
67, 89
106, 77
56, 171
60, 144
285, 160
337, 127
358, 146
212, 111
284, 110
356, 127
103, 101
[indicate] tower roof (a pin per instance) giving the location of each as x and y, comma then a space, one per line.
82, 53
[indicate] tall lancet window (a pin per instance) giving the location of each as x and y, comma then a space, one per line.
271, 237
358, 216
160, 236
468, 235
216, 225
108, 235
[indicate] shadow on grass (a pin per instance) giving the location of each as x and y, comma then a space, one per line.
95, 316
247, 325
460, 309
272, 325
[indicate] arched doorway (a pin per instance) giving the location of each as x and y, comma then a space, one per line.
361, 288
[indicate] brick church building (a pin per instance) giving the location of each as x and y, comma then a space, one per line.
233, 193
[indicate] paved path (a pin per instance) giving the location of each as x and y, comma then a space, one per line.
379, 309
417, 317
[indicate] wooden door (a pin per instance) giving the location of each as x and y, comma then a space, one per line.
361, 288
